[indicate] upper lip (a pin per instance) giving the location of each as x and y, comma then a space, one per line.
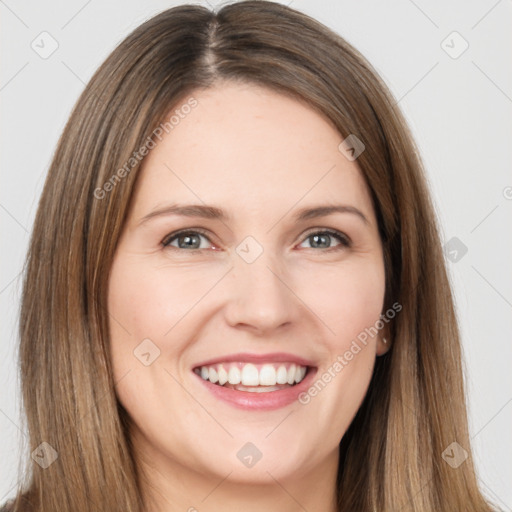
276, 357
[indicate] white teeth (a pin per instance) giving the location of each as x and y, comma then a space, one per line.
223, 375
214, 376
261, 389
234, 376
291, 374
282, 375
267, 375
248, 375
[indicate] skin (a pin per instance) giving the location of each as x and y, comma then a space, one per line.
260, 156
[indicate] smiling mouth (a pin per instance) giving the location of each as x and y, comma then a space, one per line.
256, 378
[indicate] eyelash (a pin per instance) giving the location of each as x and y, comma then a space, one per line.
341, 237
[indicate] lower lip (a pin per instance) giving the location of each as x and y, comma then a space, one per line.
264, 401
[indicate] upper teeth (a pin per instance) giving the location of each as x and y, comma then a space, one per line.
253, 375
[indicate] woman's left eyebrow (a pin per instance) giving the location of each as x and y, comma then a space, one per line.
213, 212
323, 211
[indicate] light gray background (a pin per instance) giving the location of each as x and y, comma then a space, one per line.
458, 108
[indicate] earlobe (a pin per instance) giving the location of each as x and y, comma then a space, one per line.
383, 345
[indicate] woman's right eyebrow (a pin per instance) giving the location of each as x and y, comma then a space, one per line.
213, 212
187, 210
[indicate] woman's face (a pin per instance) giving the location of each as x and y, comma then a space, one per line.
254, 288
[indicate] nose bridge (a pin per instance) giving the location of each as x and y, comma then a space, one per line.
260, 296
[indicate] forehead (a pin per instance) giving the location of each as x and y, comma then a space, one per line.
249, 150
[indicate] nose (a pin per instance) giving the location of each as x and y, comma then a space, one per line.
261, 297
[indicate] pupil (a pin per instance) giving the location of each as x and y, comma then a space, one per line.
316, 238
188, 239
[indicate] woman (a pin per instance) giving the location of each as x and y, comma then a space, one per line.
181, 347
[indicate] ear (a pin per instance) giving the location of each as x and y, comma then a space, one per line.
383, 342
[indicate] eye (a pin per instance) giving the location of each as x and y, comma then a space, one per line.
186, 240
321, 239
191, 239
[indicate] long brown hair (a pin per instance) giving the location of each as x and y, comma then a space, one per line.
391, 458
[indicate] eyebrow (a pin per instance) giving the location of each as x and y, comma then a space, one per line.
212, 212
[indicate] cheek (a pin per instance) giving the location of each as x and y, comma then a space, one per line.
137, 313
155, 303
143, 308
149, 301
348, 298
